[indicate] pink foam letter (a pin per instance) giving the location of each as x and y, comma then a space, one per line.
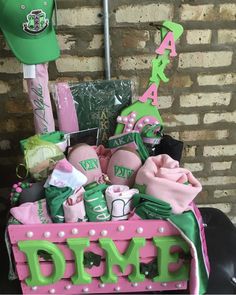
151, 92
167, 43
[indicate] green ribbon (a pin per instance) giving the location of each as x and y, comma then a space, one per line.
142, 150
152, 134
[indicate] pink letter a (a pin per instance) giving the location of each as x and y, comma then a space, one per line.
167, 43
151, 92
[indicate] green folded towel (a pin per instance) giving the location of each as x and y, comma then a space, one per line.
149, 207
95, 204
55, 198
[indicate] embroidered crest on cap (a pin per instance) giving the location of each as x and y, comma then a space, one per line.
36, 22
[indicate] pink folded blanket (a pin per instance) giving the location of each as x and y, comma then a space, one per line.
161, 177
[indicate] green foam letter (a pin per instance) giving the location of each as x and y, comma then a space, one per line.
113, 257
31, 249
77, 246
164, 245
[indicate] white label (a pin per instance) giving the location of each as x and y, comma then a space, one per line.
29, 71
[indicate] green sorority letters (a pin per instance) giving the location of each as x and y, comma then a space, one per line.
112, 257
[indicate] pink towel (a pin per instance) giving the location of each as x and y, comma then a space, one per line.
162, 178
119, 201
74, 209
32, 213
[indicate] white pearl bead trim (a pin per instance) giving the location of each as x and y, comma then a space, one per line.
178, 285
102, 285
74, 231
68, 287
47, 234
61, 234
35, 288
161, 230
117, 289
139, 230
92, 232
104, 232
121, 228
29, 234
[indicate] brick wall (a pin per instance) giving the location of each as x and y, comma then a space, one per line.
198, 105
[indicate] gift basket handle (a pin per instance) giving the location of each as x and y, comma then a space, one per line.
106, 39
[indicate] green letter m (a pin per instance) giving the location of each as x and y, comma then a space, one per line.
113, 257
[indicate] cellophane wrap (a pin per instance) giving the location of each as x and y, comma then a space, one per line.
98, 104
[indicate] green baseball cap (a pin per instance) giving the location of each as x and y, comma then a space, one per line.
28, 29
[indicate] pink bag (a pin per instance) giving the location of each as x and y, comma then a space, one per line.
84, 158
123, 166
